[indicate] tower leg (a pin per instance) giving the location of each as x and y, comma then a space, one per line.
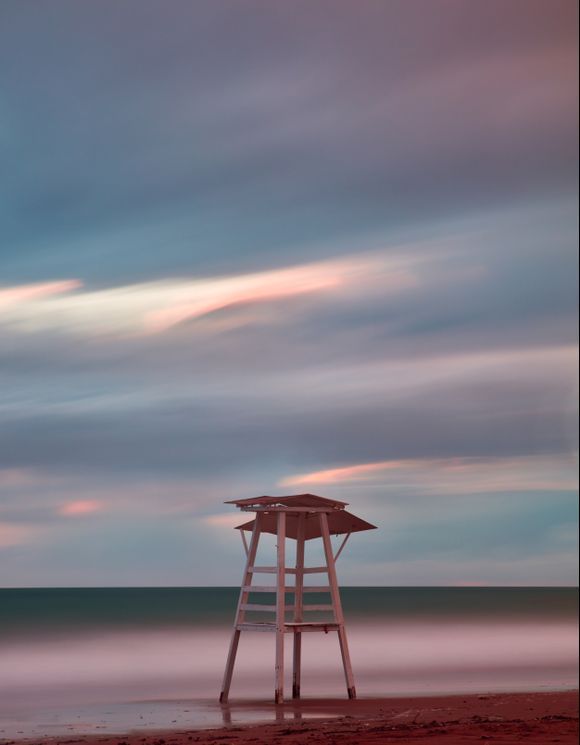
297, 659
348, 675
280, 608
230, 666
279, 671
246, 581
337, 606
298, 604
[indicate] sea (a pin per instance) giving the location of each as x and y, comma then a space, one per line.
110, 660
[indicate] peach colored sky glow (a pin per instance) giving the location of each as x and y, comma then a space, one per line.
80, 507
24, 293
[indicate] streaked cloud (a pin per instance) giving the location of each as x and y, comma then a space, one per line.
26, 293
452, 475
154, 307
229, 266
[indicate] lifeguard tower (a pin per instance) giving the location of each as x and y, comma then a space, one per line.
302, 517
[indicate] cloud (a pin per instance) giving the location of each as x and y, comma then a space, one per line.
154, 307
26, 293
507, 403
224, 520
355, 264
483, 284
452, 475
80, 507
219, 156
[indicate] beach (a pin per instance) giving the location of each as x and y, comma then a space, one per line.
501, 719
141, 665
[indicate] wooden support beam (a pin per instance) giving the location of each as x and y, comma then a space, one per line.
298, 605
263, 608
289, 589
293, 510
317, 607
245, 542
257, 626
342, 545
260, 607
225, 692
288, 570
289, 627
337, 606
280, 610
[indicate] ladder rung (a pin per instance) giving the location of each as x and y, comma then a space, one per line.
317, 607
246, 626
258, 606
289, 626
312, 625
267, 608
272, 608
292, 589
287, 570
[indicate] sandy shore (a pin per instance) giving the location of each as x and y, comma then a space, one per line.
499, 718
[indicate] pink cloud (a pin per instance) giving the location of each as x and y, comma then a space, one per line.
154, 307
338, 475
202, 297
207, 297
23, 293
452, 475
80, 507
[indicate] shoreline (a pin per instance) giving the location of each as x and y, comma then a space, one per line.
538, 717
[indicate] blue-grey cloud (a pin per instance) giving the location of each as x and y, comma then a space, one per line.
177, 142
240, 245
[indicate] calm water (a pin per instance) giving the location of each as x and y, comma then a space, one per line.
111, 659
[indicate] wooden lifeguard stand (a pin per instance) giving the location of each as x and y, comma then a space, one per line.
302, 517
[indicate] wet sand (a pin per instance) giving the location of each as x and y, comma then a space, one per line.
499, 718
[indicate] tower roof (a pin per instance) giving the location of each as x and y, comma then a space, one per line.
295, 500
339, 523
339, 520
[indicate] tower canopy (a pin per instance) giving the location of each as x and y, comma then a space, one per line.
339, 520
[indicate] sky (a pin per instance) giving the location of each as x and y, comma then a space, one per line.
272, 248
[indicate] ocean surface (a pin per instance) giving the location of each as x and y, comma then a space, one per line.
113, 659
